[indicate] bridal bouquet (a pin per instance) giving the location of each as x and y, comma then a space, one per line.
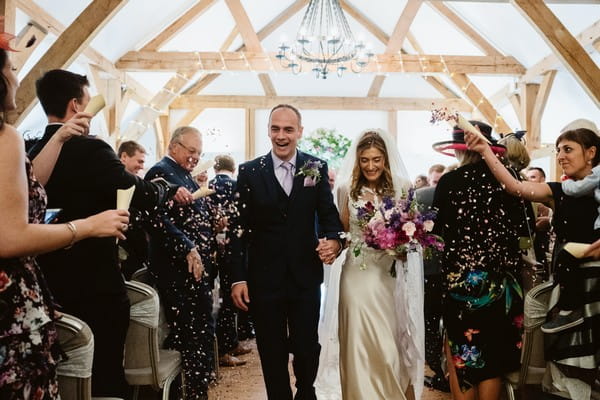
397, 226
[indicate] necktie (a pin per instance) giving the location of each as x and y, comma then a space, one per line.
286, 177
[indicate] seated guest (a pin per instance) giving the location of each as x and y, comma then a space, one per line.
182, 247
133, 252
85, 278
28, 338
224, 201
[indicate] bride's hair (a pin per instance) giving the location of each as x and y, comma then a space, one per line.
385, 186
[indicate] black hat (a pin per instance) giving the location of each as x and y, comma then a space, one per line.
458, 140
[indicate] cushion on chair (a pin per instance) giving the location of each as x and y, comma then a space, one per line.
170, 363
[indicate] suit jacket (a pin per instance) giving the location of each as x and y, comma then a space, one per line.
177, 229
279, 237
224, 203
84, 182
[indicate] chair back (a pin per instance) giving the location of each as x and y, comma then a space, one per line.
75, 372
536, 308
141, 344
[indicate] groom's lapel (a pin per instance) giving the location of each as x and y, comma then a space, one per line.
298, 179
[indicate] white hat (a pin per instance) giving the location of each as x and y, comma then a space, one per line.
579, 124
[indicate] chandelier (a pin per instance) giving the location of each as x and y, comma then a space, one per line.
325, 40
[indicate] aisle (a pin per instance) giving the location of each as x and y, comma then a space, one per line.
246, 382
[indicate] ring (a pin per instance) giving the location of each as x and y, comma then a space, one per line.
124, 227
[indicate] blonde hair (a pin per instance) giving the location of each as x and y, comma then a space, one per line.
466, 157
516, 155
384, 186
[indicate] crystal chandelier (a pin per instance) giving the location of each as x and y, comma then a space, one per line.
324, 39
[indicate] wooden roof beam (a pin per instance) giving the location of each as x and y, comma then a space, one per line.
264, 62
8, 9
32, 29
319, 103
508, 1
179, 24
65, 50
563, 44
456, 20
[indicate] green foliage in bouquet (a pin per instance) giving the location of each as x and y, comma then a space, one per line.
327, 144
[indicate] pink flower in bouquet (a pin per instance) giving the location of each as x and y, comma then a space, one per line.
409, 228
428, 225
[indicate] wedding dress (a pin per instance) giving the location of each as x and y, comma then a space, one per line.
377, 344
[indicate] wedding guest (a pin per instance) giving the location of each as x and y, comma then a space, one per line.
543, 237
434, 174
182, 246
483, 310
224, 201
133, 252
279, 194
86, 279
132, 155
573, 330
420, 181
28, 339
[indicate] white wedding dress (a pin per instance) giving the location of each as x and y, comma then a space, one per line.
379, 345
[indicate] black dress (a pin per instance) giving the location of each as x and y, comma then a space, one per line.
483, 305
29, 348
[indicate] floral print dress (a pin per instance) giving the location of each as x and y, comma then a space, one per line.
29, 348
483, 302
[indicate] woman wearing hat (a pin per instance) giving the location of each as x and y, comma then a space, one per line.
574, 338
483, 307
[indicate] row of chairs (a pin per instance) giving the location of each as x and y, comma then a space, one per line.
146, 364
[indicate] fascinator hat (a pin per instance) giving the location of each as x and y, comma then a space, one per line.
458, 140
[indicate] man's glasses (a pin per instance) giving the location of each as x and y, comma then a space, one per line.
191, 150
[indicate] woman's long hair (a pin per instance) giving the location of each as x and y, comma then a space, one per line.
384, 185
3, 86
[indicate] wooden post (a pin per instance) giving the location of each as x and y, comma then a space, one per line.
393, 124
250, 133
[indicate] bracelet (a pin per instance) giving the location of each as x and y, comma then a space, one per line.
73, 230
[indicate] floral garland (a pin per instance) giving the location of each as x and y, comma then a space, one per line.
327, 144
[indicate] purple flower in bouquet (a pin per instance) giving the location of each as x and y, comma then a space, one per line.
397, 226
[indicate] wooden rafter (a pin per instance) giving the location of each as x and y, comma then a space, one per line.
319, 103
230, 38
480, 102
263, 62
376, 85
8, 10
565, 46
586, 38
456, 20
362, 19
508, 1
534, 136
251, 40
27, 33
179, 24
65, 49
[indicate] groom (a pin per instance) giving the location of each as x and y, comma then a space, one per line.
281, 284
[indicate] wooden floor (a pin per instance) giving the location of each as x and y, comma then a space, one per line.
246, 382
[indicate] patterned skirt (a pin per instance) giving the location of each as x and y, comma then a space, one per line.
28, 365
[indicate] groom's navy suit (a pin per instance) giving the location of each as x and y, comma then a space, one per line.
284, 271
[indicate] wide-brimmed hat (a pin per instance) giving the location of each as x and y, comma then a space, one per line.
447, 147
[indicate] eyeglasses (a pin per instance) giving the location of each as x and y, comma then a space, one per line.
191, 150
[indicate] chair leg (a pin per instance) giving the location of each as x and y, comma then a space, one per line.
167, 386
510, 390
136, 392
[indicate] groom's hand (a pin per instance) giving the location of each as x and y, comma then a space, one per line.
239, 295
328, 250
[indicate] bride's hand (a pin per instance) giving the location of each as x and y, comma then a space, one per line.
328, 250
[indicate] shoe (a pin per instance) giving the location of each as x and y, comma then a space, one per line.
563, 322
436, 382
227, 360
240, 350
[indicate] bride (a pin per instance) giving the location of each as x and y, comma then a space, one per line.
381, 330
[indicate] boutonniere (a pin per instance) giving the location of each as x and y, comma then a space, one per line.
311, 172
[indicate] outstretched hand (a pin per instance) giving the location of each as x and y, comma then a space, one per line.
109, 223
328, 250
475, 142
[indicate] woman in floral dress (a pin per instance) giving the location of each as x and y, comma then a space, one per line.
483, 305
29, 351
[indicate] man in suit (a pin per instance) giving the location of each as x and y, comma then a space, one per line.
182, 246
85, 279
224, 203
132, 155
278, 200
433, 293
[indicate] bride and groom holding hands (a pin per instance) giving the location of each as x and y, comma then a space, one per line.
279, 269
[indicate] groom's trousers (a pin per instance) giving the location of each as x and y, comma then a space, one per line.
286, 321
